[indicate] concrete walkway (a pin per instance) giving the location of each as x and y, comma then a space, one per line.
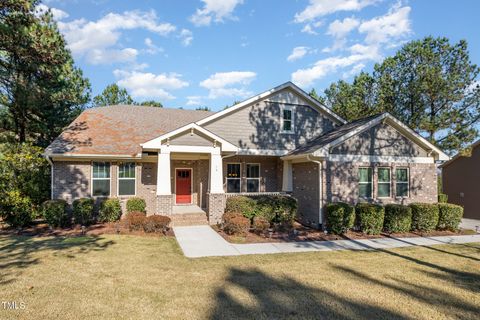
203, 241
471, 224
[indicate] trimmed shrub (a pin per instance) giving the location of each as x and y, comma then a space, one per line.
442, 198
135, 220
55, 213
156, 223
237, 225
83, 211
450, 216
260, 224
227, 216
136, 204
398, 218
244, 205
15, 209
110, 210
424, 216
340, 217
277, 209
370, 217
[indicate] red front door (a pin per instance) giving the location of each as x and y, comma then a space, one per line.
183, 184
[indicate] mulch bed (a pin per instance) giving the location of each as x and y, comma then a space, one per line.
41, 229
303, 233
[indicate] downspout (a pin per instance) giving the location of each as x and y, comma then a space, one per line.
320, 191
50, 162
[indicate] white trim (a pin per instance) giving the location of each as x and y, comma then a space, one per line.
164, 182
157, 142
191, 186
267, 93
287, 179
226, 177
389, 182
118, 180
92, 178
262, 152
95, 156
259, 175
292, 119
384, 159
189, 149
408, 182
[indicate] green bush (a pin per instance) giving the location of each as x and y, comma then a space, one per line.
340, 217
110, 210
15, 209
55, 213
260, 224
277, 209
424, 216
136, 204
450, 216
238, 225
398, 218
135, 220
83, 211
242, 204
156, 223
442, 198
370, 217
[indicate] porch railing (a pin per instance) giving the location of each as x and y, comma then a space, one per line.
256, 194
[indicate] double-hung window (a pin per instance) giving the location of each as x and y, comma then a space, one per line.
253, 177
233, 177
101, 179
287, 120
365, 183
402, 182
126, 179
384, 182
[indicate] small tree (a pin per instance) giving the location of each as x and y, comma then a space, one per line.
112, 95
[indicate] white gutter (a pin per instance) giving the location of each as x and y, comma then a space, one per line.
320, 191
51, 174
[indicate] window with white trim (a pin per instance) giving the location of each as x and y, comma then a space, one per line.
384, 183
365, 183
287, 120
402, 182
253, 177
126, 179
233, 177
101, 179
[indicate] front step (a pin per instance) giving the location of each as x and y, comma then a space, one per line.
188, 219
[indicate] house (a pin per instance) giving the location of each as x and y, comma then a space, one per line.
280, 141
461, 181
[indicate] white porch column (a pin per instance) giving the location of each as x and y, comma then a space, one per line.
163, 173
216, 172
287, 181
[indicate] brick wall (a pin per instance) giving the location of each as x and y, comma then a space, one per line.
215, 207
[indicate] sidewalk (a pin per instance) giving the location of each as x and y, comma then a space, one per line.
203, 241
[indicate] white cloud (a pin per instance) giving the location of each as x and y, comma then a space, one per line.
151, 47
228, 84
297, 53
186, 36
194, 100
355, 70
310, 27
214, 10
149, 85
56, 13
339, 30
109, 56
320, 8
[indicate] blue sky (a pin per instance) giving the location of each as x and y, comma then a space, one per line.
213, 52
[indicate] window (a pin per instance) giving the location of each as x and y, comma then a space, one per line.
402, 182
384, 182
233, 177
253, 177
287, 120
126, 179
365, 183
101, 179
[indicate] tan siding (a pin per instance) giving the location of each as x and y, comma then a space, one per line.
381, 140
187, 139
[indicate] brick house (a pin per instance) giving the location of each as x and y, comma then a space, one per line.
280, 141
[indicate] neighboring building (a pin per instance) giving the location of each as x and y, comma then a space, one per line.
280, 141
461, 181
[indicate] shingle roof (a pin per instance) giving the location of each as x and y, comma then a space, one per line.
320, 141
120, 129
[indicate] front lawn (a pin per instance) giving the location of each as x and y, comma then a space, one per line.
118, 276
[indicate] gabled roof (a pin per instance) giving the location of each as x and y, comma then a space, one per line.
459, 155
320, 146
315, 103
119, 129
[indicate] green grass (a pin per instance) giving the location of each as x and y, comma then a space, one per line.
115, 277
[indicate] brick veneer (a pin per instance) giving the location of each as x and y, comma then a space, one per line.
164, 204
215, 207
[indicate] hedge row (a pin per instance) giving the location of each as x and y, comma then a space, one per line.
373, 218
56, 213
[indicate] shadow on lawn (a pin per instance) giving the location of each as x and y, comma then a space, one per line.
20, 252
287, 298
